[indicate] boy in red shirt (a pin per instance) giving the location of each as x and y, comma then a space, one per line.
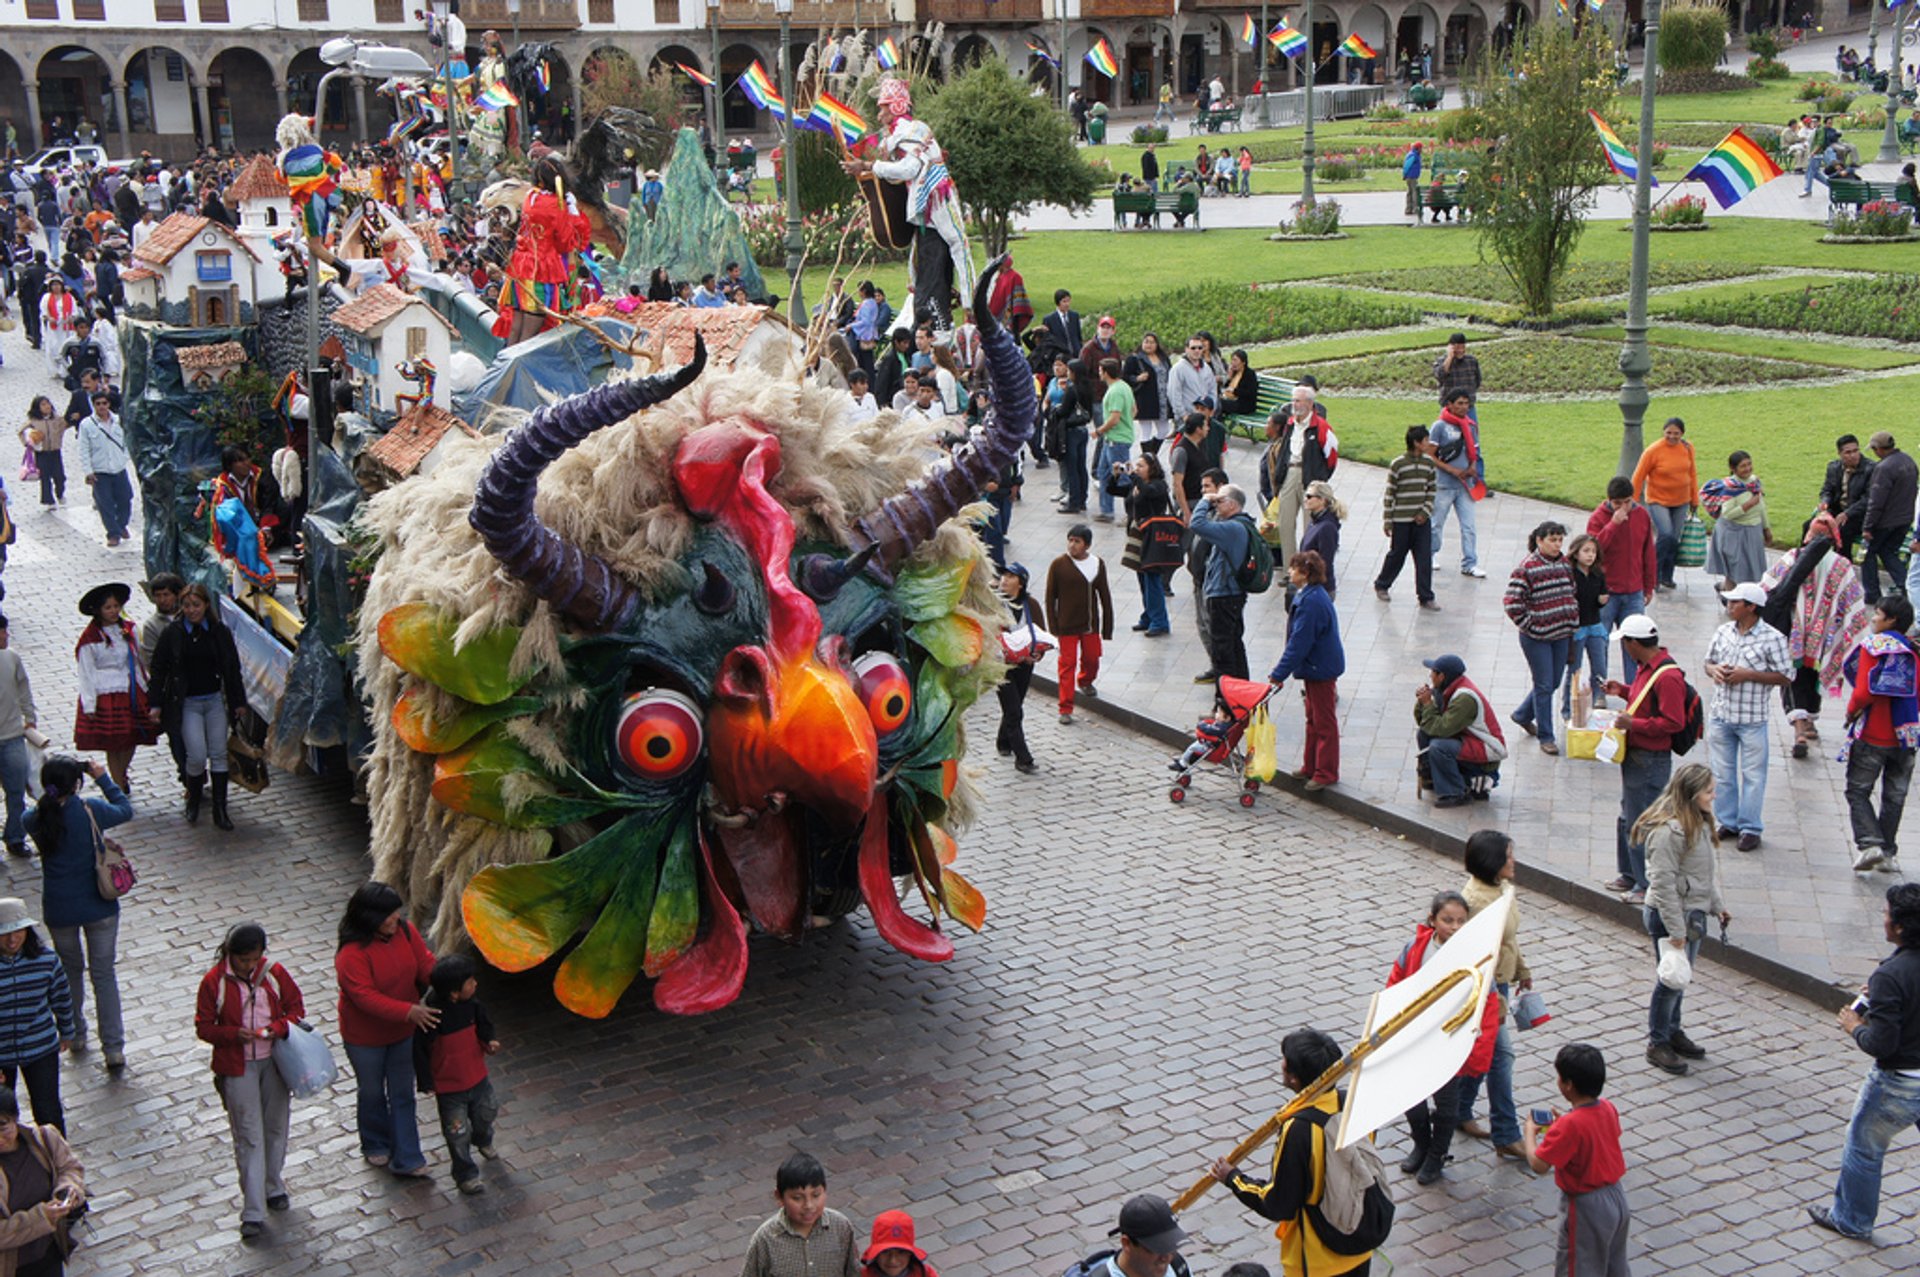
1583, 1151
450, 1059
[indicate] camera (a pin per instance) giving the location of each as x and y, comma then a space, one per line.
1859, 1005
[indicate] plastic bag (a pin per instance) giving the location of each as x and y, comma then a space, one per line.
1693, 543
304, 1062
1530, 1010
1674, 970
1263, 746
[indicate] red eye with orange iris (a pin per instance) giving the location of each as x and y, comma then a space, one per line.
659, 734
885, 689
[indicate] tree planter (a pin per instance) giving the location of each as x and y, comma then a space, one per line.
1683, 226
1908, 238
1288, 237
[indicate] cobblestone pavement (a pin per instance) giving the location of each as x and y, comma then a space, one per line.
1116, 1025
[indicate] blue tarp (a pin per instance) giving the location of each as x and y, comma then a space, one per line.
560, 362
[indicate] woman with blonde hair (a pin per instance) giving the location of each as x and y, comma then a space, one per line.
1683, 887
1325, 514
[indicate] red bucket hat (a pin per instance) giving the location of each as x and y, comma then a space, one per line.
892, 1230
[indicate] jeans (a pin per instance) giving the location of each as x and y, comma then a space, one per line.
466, 1120
1663, 1013
1592, 641
101, 939
1616, 609
1739, 760
1413, 539
1451, 497
258, 1107
1109, 456
43, 1088
1893, 768
1883, 551
1545, 658
1153, 602
1667, 520
1505, 1118
13, 779
1443, 765
203, 731
1888, 1103
1643, 774
1073, 469
383, 1081
113, 498
993, 532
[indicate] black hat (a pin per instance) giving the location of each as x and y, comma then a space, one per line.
1149, 1221
90, 601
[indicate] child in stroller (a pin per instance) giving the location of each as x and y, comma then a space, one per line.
1216, 740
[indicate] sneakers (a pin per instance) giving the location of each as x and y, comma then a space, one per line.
1428, 605
278, 1202
116, 1060
1725, 834
1315, 786
1686, 1047
1089, 691
1889, 865
1662, 1056
1634, 898
1451, 800
1748, 842
1478, 573
1868, 858
1821, 1216
1382, 595
1066, 718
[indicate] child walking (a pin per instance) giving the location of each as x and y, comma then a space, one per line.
893, 1252
1080, 604
450, 1060
805, 1235
1433, 1136
1583, 1151
1027, 621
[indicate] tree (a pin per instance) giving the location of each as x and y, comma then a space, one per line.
1693, 35
1007, 150
1529, 193
613, 79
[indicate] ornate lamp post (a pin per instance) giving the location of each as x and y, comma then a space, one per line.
440, 16
1060, 8
1890, 140
1634, 359
719, 120
1260, 42
796, 243
1306, 144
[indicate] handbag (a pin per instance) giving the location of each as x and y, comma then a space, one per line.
303, 1061
1270, 523
113, 873
1163, 544
247, 763
1693, 543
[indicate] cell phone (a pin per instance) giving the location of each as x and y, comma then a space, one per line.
1543, 1117
1859, 1005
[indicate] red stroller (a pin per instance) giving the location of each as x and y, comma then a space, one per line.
1216, 741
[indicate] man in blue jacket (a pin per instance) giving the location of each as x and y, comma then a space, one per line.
1217, 521
1410, 174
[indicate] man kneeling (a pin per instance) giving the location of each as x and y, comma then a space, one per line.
1459, 734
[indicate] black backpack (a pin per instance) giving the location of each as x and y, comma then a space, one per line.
1097, 1262
1693, 714
1255, 573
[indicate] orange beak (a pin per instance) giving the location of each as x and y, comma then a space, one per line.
794, 729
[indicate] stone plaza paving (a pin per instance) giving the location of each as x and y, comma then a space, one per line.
1115, 1026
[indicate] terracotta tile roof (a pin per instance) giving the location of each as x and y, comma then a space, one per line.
135, 273
216, 355
372, 308
403, 448
180, 230
670, 329
259, 180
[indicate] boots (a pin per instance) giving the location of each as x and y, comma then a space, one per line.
1437, 1147
1420, 1127
1414, 1160
220, 820
196, 789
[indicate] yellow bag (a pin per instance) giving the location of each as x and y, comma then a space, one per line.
1263, 746
1269, 524
1600, 741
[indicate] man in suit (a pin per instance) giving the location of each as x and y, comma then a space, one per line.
1063, 324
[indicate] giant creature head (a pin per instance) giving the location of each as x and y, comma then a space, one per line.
766, 728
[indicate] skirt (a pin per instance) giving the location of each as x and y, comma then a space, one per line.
1737, 552
116, 723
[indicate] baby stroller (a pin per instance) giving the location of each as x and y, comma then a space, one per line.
1216, 741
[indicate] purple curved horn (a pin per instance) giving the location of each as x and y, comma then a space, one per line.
582, 586
902, 522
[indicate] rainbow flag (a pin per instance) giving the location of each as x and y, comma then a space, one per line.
888, 53
835, 116
1354, 47
1289, 42
1042, 54
758, 86
495, 97
1100, 58
1734, 169
1596, 5
1249, 34
1617, 153
701, 80
544, 74
1561, 5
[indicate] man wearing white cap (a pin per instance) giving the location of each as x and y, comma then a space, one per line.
1746, 660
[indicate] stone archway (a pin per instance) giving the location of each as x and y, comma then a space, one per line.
1464, 34
560, 119
742, 116
1094, 86
1039, 71
971, 50
160, 114
239, 83
75, 94
13, 104
1417, 43
304, 70
1372, 25
670, 59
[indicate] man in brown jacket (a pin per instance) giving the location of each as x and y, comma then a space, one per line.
1079, 608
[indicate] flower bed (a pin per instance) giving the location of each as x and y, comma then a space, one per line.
1583, 279
1556, 365
1879, 219
1687, 211
1238, 314
1313, 219
1886, 306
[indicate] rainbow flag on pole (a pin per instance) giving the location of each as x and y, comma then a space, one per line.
1618, 155
888, 53
831, 115
701, 80
1561, 5
1249, 34
1100, 58
1354, 47
1289, 42
1042, 54
1734, 169
755, 83
495, 97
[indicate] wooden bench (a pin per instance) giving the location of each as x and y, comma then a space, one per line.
1211, 121
1855, 193
1151, 204
1275, 390
1444, 199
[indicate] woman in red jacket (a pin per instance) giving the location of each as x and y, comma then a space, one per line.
544, 258
1432, 1139
245, 1005
383, 966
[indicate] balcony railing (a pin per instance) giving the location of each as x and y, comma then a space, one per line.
974, 11
1091, 9
808, 15
537, 15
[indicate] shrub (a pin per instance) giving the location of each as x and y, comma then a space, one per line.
1340, 168
1767, 69
1833, 104
1881, 217
1886, 306
1659, 154
1700, 81
1313, 217
1816, 88
1688, 210
1767, 44
765, 226
1385, 111
1240, 315
1874, 117
1693, 36
1461, 125
1144, 133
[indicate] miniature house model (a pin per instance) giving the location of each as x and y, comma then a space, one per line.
381, 329
202, 368
260, 196
194, 272
413, 446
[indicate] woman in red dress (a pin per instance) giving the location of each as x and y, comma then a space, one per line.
112, 714
540, 272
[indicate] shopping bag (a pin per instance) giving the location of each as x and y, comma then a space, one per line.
1674, 971
303, 1060
1693, 543
1530, 1010
1263, 746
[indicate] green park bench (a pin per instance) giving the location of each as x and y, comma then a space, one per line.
1275, 390
1152, 204
1444, 199
1209, 121
1848, 192
1910, 132
1421, 97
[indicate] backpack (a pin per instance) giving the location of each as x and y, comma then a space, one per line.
1255, 575
1693, 714
1355, 1200
1096, 1264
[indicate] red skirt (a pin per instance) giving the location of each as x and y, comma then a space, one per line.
117, 723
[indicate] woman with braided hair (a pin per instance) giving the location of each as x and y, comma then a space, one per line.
545, 256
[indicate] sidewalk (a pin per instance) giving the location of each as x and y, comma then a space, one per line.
1802, 918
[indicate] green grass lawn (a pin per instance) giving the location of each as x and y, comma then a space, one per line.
1809, 350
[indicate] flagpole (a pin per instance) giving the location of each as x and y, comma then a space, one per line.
1306, 144
1635, 361
1890, 140
1266, 120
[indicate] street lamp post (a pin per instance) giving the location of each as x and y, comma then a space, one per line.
719, 121
1306, 144
1890, 139
1061, 7
440, 15
1873, 36
1266, 119
1634, 359
796, 243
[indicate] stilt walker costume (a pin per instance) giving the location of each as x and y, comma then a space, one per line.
911, 155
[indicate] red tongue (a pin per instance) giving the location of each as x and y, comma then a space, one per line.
909, 935
709, 975
765, 857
